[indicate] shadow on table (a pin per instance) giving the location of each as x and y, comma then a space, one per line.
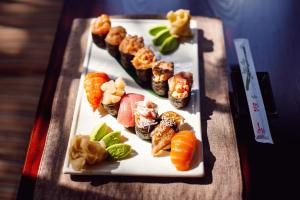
208, 105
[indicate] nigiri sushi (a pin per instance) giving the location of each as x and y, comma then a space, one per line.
180, 89
164, 131
92, 84
113, 92
183, 145
127, 107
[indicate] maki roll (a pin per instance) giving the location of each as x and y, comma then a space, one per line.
142, 62
113, 40
164, 131
112, 94
146, 118
128, 48
100, 28
161, 72
180, 89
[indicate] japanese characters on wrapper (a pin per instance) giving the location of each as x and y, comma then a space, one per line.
255, 103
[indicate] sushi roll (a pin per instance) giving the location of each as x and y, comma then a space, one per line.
113, 40
127, 108
180, 89
183, 145
161, 72
146, 118
164, 131
128, 48
142, 62
112, 94
100, 28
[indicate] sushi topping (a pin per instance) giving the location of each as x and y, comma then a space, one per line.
113, 91
146, 113
161, 138
92, 84
171, 119
143, 59
164, 131
162, 70
131, 44
127, 108
180, 84
183, 145
116, 35
101, 25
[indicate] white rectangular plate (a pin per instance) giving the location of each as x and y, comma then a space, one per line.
141, 163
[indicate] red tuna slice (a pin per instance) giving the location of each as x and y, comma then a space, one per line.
126, 110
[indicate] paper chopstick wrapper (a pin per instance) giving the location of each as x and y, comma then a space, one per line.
253, 93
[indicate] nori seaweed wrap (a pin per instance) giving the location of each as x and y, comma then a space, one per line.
161, 72
146, 118
180, 89
142, 62
114, 39
100, 28
128, 48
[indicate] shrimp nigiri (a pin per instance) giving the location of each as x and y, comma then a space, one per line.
92, 86
183, 145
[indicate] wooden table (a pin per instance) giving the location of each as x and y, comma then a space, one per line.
272, 29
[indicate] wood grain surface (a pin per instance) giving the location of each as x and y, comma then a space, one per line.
223, 176
27, 30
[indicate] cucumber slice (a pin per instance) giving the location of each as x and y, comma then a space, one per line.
100, 131
169, 45
119, 151
112, 138
161, 37
155, 29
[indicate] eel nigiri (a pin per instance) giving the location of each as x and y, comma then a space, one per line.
183, 145
92, 85
127, 108
164, 131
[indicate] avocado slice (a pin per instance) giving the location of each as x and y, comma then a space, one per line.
112, 138
119, 151
169, 45
100, 131
155, 29
161, 37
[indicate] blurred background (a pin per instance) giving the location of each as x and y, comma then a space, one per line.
27, 32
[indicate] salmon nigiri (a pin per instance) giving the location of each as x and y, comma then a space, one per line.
183, 145
92, 85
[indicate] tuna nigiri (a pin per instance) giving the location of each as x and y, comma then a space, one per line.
127, 107
92, 86
183, 145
